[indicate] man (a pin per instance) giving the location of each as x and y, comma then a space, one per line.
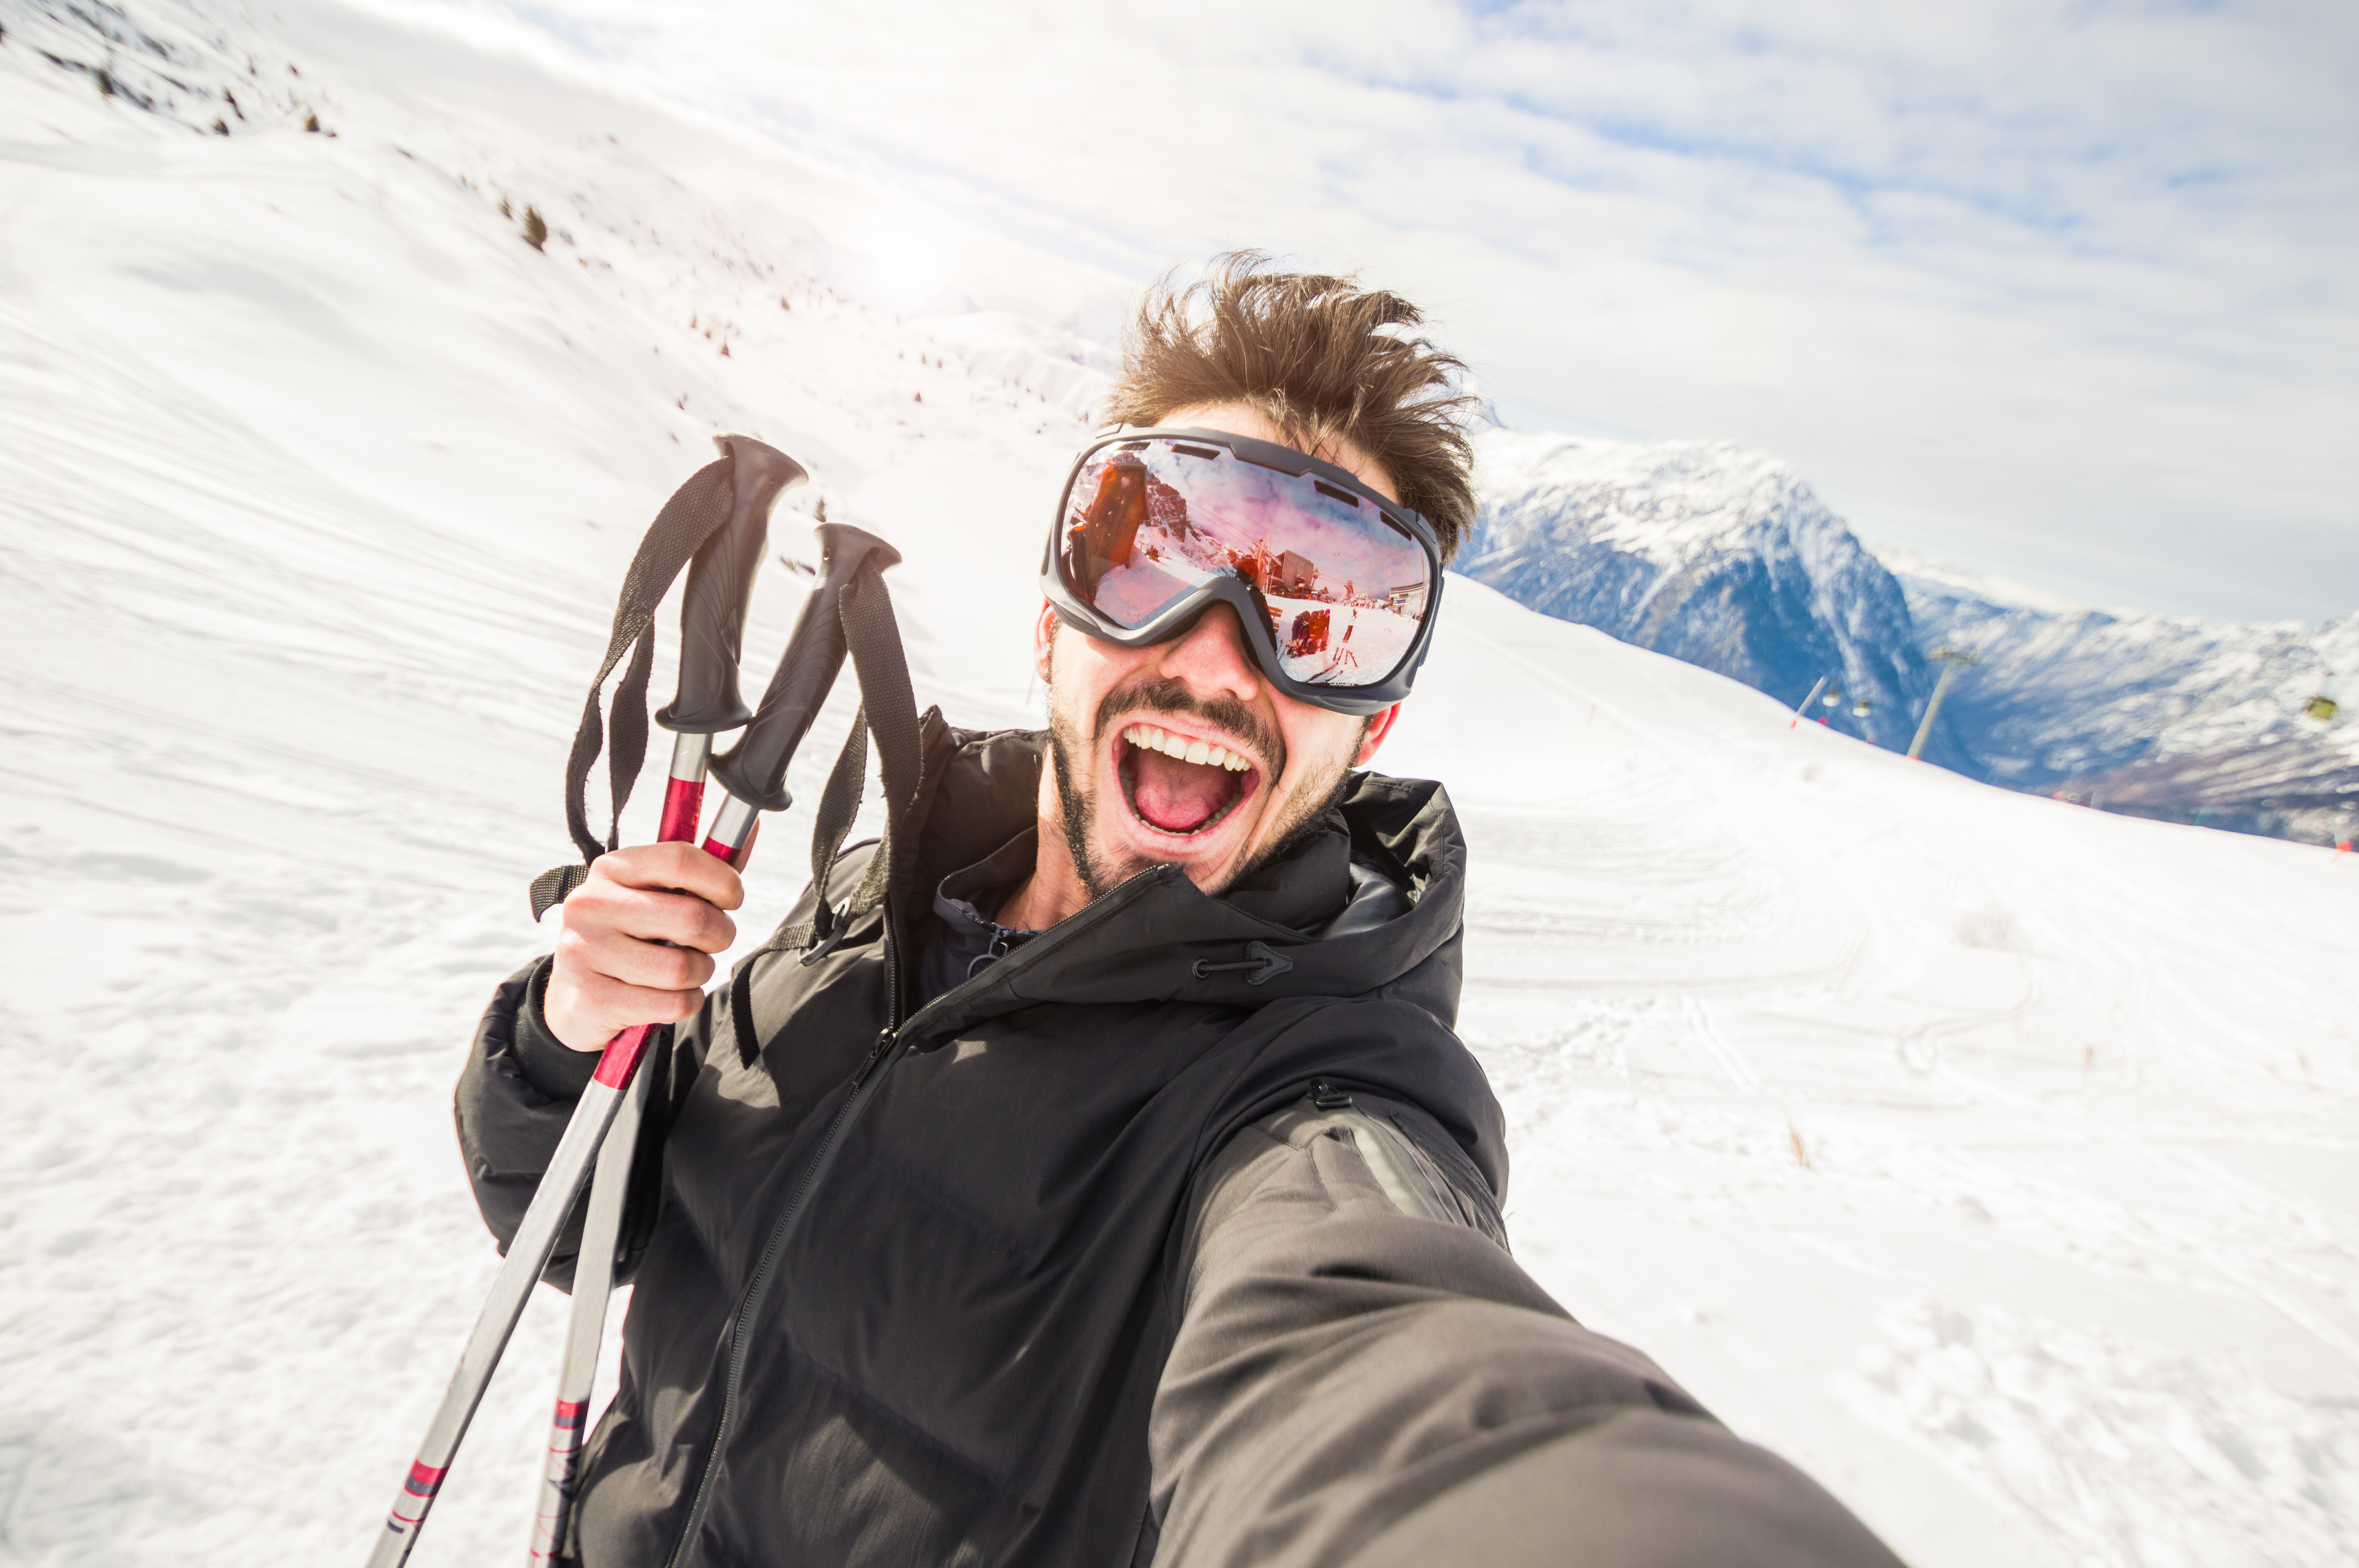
1115, 1191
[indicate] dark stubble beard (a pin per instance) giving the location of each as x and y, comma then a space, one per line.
1100, 876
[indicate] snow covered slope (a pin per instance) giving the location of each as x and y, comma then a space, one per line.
1991, 1158
1707, 552
2167, 716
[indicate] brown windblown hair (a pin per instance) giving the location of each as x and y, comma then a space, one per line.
1312, 354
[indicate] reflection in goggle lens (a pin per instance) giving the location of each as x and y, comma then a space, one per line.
1344, 589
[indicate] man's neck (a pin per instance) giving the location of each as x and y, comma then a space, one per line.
1055, 889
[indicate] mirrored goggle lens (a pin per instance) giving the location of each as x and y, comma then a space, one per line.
1147, 523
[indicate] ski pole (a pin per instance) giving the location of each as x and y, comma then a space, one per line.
721, 576
528, 1253
754, 773
585, 1327
712, 611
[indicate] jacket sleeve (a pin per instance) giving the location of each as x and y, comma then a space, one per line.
514, 1097
1360, 1376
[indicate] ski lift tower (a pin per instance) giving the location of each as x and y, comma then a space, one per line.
1951, 659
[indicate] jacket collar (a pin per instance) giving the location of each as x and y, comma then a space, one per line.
1287, 932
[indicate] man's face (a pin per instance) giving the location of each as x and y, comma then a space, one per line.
1118, 715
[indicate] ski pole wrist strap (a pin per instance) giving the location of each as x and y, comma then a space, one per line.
697, 510
889, 714
873, 638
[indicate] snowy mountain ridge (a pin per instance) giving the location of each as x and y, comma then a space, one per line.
1910, 567
1708, 552
1664, 501
2179, 716
1726, 558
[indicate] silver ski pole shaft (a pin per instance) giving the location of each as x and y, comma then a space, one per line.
594, 1282
535, 1239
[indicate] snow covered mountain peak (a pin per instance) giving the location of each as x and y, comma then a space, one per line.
1708, 551
1665, 501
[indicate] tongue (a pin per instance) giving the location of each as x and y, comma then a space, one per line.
1178, 796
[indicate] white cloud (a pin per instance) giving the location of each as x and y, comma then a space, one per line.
2064, 290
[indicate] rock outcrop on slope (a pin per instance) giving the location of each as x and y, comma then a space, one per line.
1715, 554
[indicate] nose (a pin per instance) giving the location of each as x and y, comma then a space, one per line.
1209, 657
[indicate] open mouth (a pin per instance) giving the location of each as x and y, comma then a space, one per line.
1180, 784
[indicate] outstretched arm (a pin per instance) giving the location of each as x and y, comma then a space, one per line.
1359, 1380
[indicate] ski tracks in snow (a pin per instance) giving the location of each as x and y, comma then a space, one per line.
2050, 1417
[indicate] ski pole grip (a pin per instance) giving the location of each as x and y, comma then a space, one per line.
721, 585
755, 768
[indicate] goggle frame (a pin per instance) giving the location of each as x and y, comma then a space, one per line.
1358, 701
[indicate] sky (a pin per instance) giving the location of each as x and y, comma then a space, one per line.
2063, 292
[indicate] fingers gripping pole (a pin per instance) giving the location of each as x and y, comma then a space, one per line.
602, 1223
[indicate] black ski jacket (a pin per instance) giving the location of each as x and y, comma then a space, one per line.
1172, 1237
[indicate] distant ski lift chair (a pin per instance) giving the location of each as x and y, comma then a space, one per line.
1834, 696
1859, 708
2319, 710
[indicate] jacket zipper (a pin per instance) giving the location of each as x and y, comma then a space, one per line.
863, 1083
1400, 1169
758, 1289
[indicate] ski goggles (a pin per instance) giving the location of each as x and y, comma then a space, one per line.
1336, 586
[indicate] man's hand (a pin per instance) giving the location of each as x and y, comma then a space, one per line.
612, 969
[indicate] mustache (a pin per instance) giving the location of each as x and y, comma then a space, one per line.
1157, 693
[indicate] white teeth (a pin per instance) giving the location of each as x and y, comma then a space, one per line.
1146, 737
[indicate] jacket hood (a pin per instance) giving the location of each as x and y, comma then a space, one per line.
1369, 903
